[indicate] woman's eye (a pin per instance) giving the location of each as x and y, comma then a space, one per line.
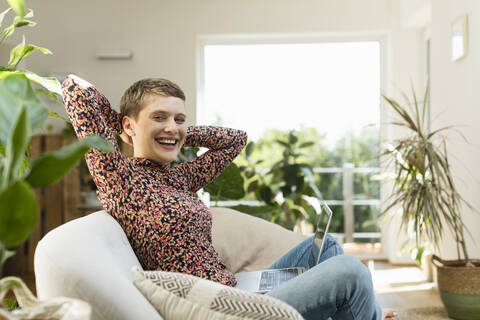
180, 120
158, 118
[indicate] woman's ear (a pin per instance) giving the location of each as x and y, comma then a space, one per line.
128, 130
128, 126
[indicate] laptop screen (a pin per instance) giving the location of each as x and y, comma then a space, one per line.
321, 230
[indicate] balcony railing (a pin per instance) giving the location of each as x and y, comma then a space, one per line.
348, 202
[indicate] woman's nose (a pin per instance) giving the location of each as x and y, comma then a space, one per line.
171, 126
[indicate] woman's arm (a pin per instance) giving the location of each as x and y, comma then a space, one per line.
224, 145
113, 119
91, 113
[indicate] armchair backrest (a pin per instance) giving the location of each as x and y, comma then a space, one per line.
248, 243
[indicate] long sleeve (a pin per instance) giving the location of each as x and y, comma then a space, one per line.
87, 108
224, 145
112, 118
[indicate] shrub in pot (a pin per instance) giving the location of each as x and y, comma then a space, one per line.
425, 191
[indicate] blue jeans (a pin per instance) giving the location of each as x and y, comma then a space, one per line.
339, 287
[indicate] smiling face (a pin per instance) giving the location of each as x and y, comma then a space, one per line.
159, 130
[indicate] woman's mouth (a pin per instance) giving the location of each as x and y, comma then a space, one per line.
167, 143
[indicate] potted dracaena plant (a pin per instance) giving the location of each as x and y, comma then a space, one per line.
23, 114
424, 189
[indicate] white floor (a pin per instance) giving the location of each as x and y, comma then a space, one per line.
402, 286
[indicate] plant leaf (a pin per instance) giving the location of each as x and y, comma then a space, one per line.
52, 96
4, 254
50, 167
229, 184
18, 6
402, 112
306, 144
431, 134
2, 15
24, 22
249, 173
250, 148
16, 146
16, 53
50, 83
22, 50
283, 143
18, 216
17, 92
419, 124
5, 33
266, 194
18, 22
55, 115
29, 14
292, 137
252, 186
311, 181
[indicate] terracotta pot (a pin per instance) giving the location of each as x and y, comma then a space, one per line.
459, 288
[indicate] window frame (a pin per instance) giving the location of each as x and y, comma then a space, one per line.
383, 38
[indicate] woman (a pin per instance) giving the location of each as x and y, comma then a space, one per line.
167, 226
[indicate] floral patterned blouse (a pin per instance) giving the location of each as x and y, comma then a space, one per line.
168, 227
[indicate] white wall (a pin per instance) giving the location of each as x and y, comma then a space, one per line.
162, 34
456, 96
406, 68
5, 53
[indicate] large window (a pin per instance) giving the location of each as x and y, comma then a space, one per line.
334, 87
328, 92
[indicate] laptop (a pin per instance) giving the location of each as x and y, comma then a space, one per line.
267, 280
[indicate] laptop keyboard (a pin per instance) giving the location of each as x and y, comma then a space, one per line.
273, 278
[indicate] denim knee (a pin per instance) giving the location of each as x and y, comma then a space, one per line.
355, 275
331, 248
331, 242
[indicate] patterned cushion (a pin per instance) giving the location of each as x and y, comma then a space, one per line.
182, 296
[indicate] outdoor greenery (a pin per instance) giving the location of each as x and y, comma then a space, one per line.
278, 171
424, 187
22, 114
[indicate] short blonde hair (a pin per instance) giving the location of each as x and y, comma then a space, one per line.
132, 100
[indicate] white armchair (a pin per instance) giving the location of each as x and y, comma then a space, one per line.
90, 259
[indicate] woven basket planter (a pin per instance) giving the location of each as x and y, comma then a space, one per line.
459, 288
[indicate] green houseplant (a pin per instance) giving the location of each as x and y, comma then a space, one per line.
292, 184
430, 203
228, 185
22, 114
287, 189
